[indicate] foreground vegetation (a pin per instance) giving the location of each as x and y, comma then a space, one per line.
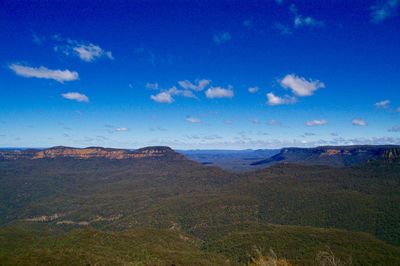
245, 244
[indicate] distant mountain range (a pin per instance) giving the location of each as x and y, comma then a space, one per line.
331, 155
230, 160
86, 153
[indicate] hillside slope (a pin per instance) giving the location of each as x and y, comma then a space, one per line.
215, 208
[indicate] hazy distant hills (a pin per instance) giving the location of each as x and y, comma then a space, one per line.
154, 206
330, 155
230, 160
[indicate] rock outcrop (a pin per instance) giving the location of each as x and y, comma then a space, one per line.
87, 153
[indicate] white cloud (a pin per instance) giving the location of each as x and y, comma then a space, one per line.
304, 21
121, 129
152, 86
253, 89
162, 97
201, 84
383, 10
193, 120
76, 96
222, 37
276, 100
86, 51
166, 96
255, 121
383, 104
300, 21
90, 52
312, 123
300, 86
184, 93
359, 122
44, 73
219, 92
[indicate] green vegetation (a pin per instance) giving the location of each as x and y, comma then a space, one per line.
301, 245
93, 247
169, 210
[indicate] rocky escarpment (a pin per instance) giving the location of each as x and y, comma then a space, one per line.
332, 155
392, 154
87, 153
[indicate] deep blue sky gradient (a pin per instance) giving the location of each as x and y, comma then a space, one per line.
167, 41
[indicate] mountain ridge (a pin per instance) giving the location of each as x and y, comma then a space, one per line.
338, 156
88, 152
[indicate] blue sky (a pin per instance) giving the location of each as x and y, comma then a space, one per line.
199, 74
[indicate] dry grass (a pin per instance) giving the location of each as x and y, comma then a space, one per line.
271, 259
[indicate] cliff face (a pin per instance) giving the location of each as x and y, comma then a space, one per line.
87, 153
392, 154
332, 155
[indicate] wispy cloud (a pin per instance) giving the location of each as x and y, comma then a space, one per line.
86, 51
304, 21
219, 92
272, 99
395, 129
383, 10
193, 120
185, 93
300, 21
121, 129
38, 40
301, 86
359, 122
313, 123
223, 37
248, 23
76, 96
283, 29
274, 122
253, 89
198, 85
44, 73
152, 86
385, 104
